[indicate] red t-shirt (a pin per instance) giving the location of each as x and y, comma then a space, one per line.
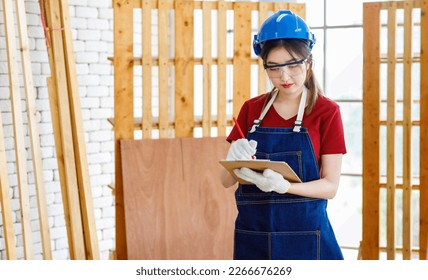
324, 124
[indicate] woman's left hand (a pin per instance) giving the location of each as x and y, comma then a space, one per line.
267, 181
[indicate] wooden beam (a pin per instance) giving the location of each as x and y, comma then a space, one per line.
184, 68
34, 133
390, 134
82, 167
423, 205
6, 207
207, 70
164, 73
407, 132
58, 66
242, 47
20, 152
371, 107
123, 105
262, 77
221, 68
146, 19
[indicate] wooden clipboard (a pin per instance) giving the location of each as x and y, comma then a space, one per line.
260, 165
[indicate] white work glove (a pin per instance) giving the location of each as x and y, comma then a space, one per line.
242, 149
268, 181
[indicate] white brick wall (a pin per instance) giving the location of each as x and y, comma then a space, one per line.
93, 44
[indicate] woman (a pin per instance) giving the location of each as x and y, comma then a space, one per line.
294, 123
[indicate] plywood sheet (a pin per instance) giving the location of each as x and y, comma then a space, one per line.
175, 205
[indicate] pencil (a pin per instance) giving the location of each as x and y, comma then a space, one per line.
238, 127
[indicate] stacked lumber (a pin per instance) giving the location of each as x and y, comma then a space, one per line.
20, 149
68, 131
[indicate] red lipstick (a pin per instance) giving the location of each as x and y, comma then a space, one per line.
286, 85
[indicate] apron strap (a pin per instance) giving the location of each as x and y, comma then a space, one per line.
297, 124
258, 121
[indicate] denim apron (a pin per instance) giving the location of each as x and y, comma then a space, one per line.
283, 226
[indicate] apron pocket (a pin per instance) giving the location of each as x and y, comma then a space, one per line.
251, 245
296, 245
288, 245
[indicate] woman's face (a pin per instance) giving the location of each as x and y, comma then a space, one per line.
288, 79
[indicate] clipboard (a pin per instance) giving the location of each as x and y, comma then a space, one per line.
259, 165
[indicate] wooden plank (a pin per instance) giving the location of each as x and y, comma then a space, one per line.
214, 205
282, 6
196, 61
213, 5
221, 69
5, 202
371, 106
20, 152
298, 9
407, 132
262, 77
164, 104
184, 68
53, 106
76, 240
242, 47
399, 4
146, 19
194, 220
82, 167
390, 133
123, 105
147, 180
207, 65
423, 206
33, 130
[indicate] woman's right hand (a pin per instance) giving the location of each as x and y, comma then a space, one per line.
242, 149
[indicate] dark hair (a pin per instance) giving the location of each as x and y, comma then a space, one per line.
298, 49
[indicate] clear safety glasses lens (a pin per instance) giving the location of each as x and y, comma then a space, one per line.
292, 69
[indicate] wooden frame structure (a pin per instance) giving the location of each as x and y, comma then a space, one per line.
68, 133
374, 183
180, 67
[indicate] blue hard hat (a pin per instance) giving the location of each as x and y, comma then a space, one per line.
284, 24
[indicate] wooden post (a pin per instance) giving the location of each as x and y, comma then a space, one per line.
184, 68
390, 132
407, 132
20, 152
70, 189
423, 205
207, 73
146, 19
371, 104
262, 77
123, 107
34, 134
221, 69
242, 47
84, 186
164, 104
6, 207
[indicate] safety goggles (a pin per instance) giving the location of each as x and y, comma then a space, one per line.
293, 68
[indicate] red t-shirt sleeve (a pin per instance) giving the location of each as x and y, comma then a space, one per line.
244, 120
332, 138
234, 134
